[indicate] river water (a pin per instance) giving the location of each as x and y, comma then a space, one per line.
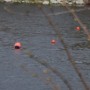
27, 24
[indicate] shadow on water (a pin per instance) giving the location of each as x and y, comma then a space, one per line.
25, 23
81, 45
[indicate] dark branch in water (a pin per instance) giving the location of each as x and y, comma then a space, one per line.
78, 20
65, 47
55, 71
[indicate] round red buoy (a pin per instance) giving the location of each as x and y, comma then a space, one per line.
78, 28
53, 41
17, 45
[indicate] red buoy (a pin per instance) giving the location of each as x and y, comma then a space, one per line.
17, 45
53, 41
78, 28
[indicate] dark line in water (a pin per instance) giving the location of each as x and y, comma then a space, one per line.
55, 71
72, 11
66, 49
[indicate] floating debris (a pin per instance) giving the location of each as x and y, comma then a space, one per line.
34, 75
45, 71
75, 19
30, 54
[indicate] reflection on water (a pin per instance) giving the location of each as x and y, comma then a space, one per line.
81, 45
26, 23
